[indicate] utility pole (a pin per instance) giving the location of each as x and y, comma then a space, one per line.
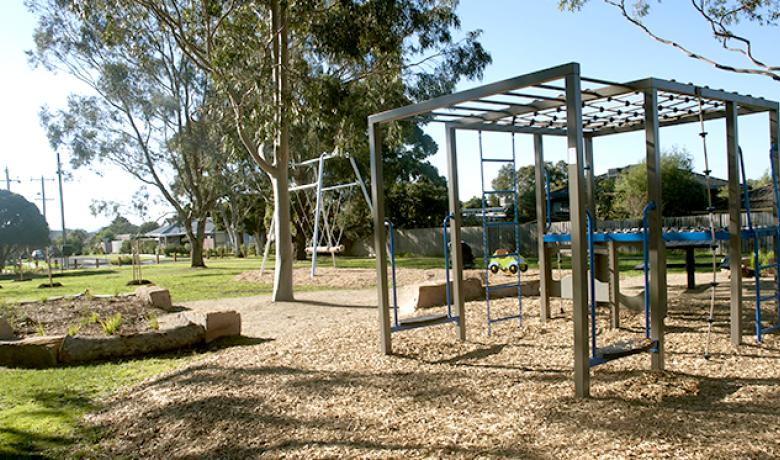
8, 179
62, 212
42, 193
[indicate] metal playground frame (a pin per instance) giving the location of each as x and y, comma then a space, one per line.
559, 101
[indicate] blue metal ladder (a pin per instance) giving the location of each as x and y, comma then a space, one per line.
488, 224
755, 237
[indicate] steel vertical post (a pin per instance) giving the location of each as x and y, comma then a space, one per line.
774, 145
317, 211
590, 181
657, 248
614, 283
380, 238
455, 225
62, 213
735, 223
578, 232
545, 273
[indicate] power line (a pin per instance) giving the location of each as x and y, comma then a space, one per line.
62, 211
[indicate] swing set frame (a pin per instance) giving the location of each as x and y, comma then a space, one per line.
318, 217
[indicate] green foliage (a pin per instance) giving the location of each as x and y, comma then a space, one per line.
122, 260
417, 204
172, 249
526, 185
126, 247
73, 330
152, 321
604, 194
112, 324
149, 111
75, 242
92, 318
347, 60
682, 194
21, 226
39, 329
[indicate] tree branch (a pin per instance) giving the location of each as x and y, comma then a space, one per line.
621, 5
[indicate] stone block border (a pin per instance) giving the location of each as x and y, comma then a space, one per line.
50, 351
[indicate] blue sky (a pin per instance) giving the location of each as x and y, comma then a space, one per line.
521, 35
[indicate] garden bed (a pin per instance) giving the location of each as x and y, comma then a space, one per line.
82, 315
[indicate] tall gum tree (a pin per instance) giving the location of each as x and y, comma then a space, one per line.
273, 71
149, 114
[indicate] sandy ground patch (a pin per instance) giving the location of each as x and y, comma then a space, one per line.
320, 389
362, 278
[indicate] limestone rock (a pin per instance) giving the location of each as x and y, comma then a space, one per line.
33, 352
83, 349
6, 331
217, 323
433, 294
155, 296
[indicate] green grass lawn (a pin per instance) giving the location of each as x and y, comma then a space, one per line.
41, 410
217, 280
185, 283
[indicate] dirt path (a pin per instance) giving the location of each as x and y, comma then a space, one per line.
312, 311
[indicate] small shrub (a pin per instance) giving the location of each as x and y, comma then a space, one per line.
122, 260
92, 318
151, 320
73, 330
112, 324
127, 247
148, 247
179, 250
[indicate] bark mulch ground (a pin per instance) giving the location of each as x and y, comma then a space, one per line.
330, 394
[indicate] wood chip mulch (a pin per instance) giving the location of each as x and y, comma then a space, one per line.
330, 394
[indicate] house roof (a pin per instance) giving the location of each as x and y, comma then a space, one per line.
179, 230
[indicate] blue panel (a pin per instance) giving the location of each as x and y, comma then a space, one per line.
636, 237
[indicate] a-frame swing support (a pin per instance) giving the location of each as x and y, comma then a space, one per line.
320, 189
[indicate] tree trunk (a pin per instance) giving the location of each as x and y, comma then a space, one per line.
301, 242
258, 243
283, 273
196, 242
239, 243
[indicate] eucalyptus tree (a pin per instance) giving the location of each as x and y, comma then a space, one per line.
317, 66
149, 109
